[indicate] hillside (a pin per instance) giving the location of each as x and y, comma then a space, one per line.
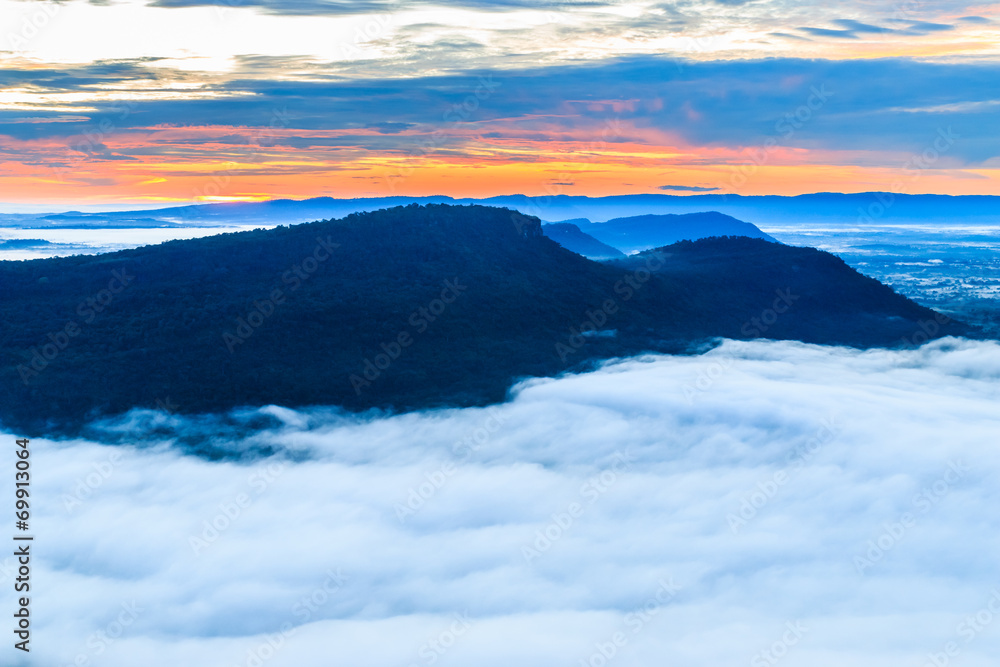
569, 236
642, 232
825, 208
402, 308
730, 285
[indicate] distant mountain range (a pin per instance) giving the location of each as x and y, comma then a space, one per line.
832, 208
569, 236
629, 235
403, 308
24, 243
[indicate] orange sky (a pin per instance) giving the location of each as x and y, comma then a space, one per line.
247, 104
485, 167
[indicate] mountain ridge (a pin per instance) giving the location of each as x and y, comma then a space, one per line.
637, 233
838, 208
400, 309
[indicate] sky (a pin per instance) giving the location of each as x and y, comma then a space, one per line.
135, 102
764, 503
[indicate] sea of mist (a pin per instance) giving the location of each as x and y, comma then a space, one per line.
764, 503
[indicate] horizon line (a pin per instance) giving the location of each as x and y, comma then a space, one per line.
13, 208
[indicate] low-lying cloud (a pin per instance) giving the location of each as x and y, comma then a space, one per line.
763, 502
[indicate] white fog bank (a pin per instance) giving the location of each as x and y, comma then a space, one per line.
764, 503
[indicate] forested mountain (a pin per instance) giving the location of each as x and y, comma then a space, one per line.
401, 308
825, 208
642, 232
569, 236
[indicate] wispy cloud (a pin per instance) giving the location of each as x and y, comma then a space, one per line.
687, 188
342, 7
884, 108
685, 87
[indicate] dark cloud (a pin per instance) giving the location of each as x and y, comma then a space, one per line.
931, 27
871, 105
787, 35
925, 28
828, 32
851, 29
857, 26
389, 128
687, 188
344, 7
57, 78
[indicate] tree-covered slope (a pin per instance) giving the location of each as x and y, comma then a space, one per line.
570, 237
641, 232
400, 308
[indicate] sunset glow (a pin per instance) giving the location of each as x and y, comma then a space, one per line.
249, 101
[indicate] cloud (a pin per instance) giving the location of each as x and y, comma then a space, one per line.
926, 28
858, 26
687, 188
975, 19
346, 7
889, 109
851, 29
848, 495
791, 36
828, 32
389, 128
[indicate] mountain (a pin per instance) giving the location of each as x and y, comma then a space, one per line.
650, 231
614, 238
723, 281
89, 221
867, 208
24, 243
570, 237
403, 308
